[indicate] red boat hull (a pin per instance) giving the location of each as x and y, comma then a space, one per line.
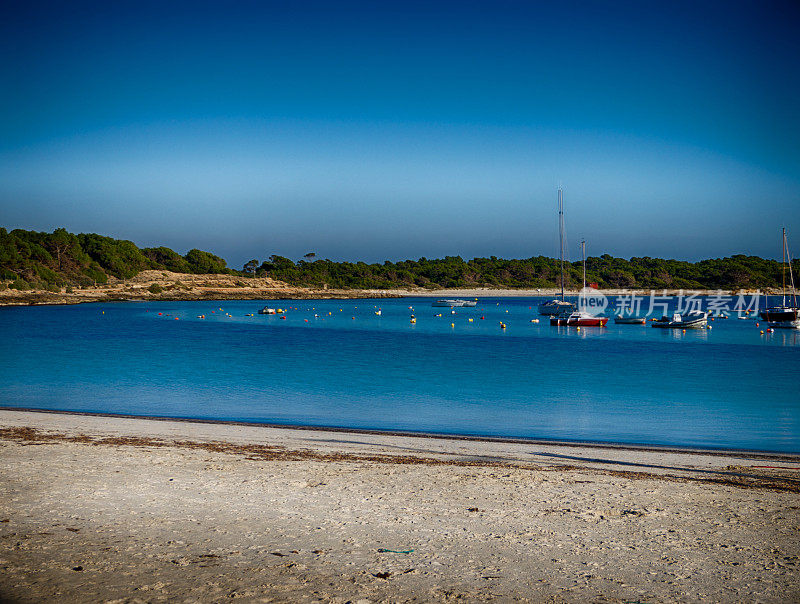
583, 322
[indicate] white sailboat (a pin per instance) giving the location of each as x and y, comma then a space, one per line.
785, 316
558, 306
580, 318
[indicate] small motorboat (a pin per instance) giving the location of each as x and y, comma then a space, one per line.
579, 319
693, 320
785, 324
267, 311
629, 320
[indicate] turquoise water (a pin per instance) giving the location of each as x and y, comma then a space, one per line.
728, 387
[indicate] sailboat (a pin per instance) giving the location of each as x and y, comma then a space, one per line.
784, 315
580, 318
558, 306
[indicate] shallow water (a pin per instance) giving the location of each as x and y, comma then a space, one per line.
337, 363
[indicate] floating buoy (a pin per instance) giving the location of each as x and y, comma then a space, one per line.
176, 318
284, 318
413, 320
579, 328
502, 325
161, 313
762, 332
482, 318
351, 317
534, 320
470, 319
104, 312
306, 320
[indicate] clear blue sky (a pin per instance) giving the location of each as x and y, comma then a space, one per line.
372, 131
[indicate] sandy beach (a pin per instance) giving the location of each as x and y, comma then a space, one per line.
98, 509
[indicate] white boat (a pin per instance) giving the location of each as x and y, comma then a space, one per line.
692, 320
454, 303
267, 311
558, 306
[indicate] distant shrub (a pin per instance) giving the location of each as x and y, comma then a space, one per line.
20, 284
155, 289
69, 289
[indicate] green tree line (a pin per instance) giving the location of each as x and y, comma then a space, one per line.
52, 260
57, 259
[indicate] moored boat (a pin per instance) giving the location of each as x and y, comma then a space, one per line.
619, 319
453, 303
556, 307
784, 315
267, 311
693, 320
579, 319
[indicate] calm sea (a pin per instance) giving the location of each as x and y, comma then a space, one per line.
338, 363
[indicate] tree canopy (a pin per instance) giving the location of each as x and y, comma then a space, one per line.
30, 258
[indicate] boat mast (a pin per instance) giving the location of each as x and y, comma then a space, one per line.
791, 273
783, 266
583, 256
561, 238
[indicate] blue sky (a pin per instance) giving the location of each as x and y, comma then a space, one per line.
373, 131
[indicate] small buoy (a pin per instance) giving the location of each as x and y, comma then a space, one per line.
104, 312
161, 313
452, 324
470, 319
351, 318
284, 318
579, 328
502, 325
757, 324
176, 318
413, 320
306, 320
482, 318
762, 332
708, 326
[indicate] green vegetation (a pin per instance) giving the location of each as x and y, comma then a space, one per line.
52, 260
29, 259
538, 272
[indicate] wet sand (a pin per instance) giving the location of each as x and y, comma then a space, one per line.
137, 510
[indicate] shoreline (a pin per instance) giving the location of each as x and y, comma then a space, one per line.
793, 457
9, 298
128, 509
174, 287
